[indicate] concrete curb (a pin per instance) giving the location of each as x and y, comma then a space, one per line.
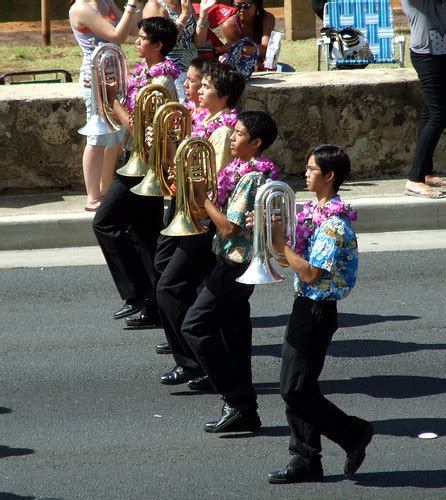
386, 214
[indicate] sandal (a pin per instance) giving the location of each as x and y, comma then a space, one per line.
431, 194
435, 181
92, 206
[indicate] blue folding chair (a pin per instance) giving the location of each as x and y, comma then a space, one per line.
375, 19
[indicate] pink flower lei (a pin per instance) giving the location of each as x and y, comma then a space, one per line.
229, 176
313, 216
142, 75
200, 129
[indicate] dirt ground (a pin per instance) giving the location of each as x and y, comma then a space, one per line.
30, 33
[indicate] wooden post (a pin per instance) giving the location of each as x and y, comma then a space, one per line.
46, 30
300, 20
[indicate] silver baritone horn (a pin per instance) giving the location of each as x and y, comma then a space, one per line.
278, 199
108, 65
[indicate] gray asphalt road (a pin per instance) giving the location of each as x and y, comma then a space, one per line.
83, 415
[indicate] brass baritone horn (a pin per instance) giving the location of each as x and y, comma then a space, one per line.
273, 198
149, 99
172, 123
194, 160
107, 65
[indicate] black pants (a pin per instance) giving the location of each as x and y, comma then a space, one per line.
190, 264
309, 414
127, 226
431, 72
218, 330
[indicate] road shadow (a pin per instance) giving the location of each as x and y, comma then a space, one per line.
410, 427
357, 348
369, 348
11, 496
7, 451
386, 386
271, 431
345, 320
5, 410
396, 479
376, 386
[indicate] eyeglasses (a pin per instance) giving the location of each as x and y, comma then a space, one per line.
242, 6
311, 168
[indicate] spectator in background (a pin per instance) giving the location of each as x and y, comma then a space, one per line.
94, 22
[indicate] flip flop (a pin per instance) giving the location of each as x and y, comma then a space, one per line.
436, 182
92, 206
424, 193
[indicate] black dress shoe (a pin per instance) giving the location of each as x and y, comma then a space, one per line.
299, 474
178, 375
200, 384
146, 319
356, 456
235, 420
163, 348
127, 310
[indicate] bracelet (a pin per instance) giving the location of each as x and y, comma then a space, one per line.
131, 5
204, 26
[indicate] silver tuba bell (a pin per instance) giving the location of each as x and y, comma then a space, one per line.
278, 199
107, 65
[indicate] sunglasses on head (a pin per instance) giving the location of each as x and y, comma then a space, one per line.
242, 6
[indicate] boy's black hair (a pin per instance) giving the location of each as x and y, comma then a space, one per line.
259, 125
331, 158
160, 29
227, 81
199, 63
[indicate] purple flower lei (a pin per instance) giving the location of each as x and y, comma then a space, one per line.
313, 216
205, 130
229, 176
142, 75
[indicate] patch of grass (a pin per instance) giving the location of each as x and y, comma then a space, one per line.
301, 54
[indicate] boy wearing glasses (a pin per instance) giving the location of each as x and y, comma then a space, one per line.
325, 261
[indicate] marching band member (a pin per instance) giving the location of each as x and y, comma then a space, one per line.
192, 259
127, 225
325, 261
93, 22
217, 327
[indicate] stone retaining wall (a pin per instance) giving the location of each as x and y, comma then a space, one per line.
372, 113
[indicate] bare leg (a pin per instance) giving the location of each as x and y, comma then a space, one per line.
92, 162
109, 167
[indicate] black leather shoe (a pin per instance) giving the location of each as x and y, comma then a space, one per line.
147, 319
235, 420
200, 384
356, 456
178, 375
126, 310
163, 348
300, 474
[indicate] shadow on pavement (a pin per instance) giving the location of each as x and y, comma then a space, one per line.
410, 427
5, 410
398, 479
386, 386
356, 348
12, 496
345, 320
7, 451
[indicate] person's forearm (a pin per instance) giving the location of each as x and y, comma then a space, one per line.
122, 115
201, 32
226, 228
308, 273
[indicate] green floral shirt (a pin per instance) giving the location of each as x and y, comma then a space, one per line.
239, 248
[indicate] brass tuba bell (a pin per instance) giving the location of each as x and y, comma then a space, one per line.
149, 99
194, 160
273, 198
107, 65
171, 124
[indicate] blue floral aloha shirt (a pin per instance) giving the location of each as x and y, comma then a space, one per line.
239, 248
332, 247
